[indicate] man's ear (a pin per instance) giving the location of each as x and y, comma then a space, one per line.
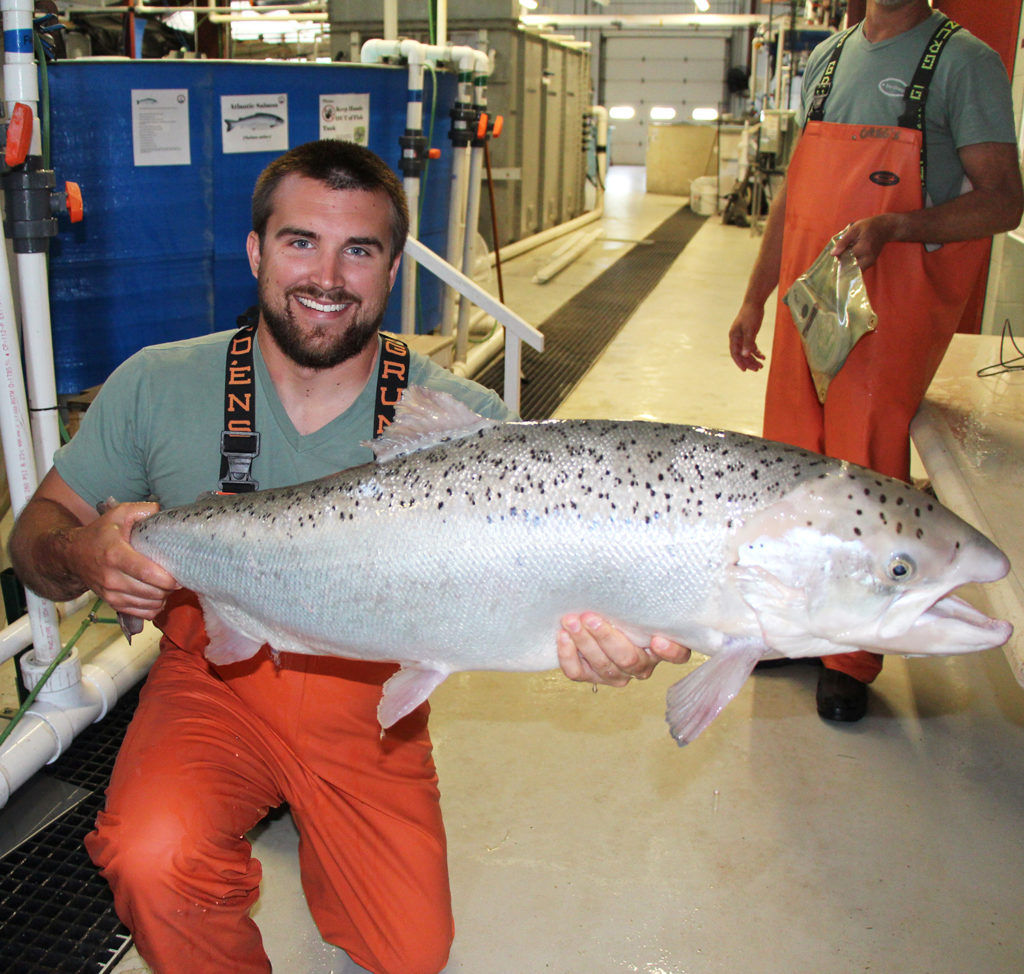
393, 273
252, 248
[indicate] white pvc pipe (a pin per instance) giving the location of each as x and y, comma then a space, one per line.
19, 455
391, 19
57, 716
566, 254
271, 18
441, 24
17, 636
476, 162
621, 21
42, 382
456, 229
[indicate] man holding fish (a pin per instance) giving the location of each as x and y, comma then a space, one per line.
297, 391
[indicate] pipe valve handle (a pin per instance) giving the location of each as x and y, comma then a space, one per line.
76, 209
19, 136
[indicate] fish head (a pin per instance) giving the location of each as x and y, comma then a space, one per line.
854, 560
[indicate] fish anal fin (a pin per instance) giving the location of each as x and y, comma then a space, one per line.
406, 690
226, 645
423, 418
698, 698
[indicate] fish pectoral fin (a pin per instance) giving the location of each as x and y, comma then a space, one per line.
226, 645
423, 418
406, 690
698, 698
782, 611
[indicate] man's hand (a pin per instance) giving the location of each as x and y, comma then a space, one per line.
742, 338
592, 650
105, 561
866, 238
60, 547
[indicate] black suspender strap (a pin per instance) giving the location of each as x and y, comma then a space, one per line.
239, 440
916, 94
392, 379
824, 88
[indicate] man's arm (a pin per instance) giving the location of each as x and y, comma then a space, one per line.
993, 205
764, 278
60, 547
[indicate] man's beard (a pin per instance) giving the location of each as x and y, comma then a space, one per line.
319, 354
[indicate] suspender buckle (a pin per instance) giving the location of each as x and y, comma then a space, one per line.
239, 450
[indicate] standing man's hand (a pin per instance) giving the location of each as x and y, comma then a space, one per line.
742, 338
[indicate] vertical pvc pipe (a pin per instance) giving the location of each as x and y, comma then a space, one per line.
441, 29
390, 20
413, 126
469, 237
42, 383
20, 456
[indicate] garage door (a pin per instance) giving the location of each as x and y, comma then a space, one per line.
657, 70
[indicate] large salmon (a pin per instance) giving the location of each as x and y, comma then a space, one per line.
462, 546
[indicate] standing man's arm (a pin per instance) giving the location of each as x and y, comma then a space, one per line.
993, 205
60, 547
764, 278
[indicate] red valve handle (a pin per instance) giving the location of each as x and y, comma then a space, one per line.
76, 210
19, 135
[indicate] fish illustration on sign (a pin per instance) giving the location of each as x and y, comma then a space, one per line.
258, 120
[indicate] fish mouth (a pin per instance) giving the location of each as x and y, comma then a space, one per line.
949, 626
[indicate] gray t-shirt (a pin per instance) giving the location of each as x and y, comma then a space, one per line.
969, 100
154, 430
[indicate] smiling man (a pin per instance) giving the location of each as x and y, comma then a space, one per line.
289, 397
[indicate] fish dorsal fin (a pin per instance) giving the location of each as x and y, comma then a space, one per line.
424, 418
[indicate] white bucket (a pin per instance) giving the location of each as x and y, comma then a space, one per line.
704, 195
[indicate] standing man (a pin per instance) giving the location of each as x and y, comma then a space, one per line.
910, 146
212, 748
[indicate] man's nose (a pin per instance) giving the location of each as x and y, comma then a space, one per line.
329, 271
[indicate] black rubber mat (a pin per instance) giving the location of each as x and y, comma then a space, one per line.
56, 912
576, 334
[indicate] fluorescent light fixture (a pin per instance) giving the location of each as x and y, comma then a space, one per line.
621, 112
662, 113
702, 5
528, 4
704, 114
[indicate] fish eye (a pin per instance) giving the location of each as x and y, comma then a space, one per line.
900, 568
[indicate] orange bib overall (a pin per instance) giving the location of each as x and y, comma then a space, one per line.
841, 173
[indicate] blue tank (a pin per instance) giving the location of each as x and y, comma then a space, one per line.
160, 255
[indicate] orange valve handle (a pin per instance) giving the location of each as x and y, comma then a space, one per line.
481, 126
19, 136
499, 124
76, 210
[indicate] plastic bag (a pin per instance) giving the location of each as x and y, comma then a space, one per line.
831, 310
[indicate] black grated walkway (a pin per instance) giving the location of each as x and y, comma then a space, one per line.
578, 332
56, 912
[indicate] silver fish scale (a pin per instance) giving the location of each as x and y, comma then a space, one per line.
467, 554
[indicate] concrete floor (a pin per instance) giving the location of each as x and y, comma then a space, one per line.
583, 841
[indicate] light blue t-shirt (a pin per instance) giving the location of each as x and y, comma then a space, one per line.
153, 431
969, 100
